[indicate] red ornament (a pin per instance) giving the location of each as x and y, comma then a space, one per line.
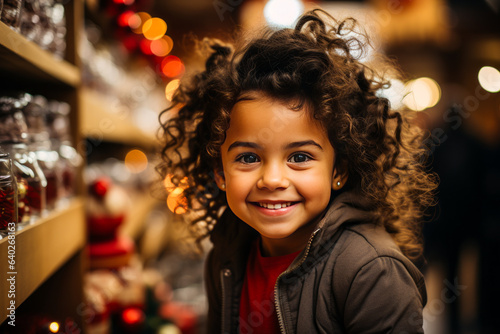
100, 187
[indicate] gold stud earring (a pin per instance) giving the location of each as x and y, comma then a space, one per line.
223, 186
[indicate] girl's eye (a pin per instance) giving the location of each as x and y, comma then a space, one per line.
247, 158
299, 157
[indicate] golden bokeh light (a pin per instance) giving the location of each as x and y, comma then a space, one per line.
54, 327
136, 161
489, 79
136, 21
171, 88
154, 28
177, 202
422, 93
162, 47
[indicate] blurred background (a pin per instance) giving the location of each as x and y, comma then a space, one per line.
89, 79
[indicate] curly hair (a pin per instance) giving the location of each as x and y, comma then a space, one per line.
316, 63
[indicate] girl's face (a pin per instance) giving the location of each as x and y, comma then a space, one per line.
279, 170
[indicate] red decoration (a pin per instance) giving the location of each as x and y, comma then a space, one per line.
100, 187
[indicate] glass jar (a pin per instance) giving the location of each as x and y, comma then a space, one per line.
8, 196
31, 182
30, 21
69, 159
35, 112
11, 13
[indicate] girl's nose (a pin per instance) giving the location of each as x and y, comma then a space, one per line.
273, 177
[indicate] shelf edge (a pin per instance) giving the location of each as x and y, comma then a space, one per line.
39, 58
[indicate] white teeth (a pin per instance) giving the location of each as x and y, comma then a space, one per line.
275, 206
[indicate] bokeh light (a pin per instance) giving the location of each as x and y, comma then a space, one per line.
422, 93
136, 161
132, 316
54, 327
172, 67
145, 46
154, 28
176, 201
282, 13
489, 79
171, 88
136, 21
162, 46
125, 2
124, 18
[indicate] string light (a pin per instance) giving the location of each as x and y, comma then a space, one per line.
171, 88
136, 21
177, 202
154, 28
282, 13
162, 47
136, 161
54, 327
489, 79
422, 93
172, 67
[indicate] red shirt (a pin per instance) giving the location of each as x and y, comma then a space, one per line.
257, 311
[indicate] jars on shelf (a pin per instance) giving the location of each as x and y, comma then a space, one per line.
59, 133
8, 196
35, 111
30, 180
42, 22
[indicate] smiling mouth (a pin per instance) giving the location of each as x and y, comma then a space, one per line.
275, 206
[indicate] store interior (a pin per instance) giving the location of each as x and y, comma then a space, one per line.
101, 245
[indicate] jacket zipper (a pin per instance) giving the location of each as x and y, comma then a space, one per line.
276, 293
224, 273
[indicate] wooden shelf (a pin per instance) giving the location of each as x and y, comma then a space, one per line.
99, 120
40, 250
19, 56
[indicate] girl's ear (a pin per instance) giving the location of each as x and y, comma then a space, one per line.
340, 176
220, 179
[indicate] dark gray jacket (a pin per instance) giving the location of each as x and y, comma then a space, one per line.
350, 278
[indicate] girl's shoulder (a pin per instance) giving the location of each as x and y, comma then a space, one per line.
367, 252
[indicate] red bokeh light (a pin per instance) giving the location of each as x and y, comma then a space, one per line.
124, 18
146, 46
132, 316
172, 67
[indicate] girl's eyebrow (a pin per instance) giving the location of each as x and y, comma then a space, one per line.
298, 144
243, 144
289, 146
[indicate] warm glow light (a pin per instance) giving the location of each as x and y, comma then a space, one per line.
146, 46
394, 93
176, 201
154, 28
54, 327
136, 161
162, 47
172, 67
167, 183
422, 93
133, 316
125, 2
283, 13
489, 79
124, 18
171, 88
136, 21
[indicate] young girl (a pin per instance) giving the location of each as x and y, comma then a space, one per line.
318, 186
